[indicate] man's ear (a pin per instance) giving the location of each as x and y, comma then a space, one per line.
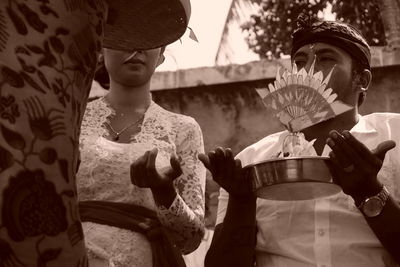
364, 82
365, 78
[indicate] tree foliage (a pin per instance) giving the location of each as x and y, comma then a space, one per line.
269, 31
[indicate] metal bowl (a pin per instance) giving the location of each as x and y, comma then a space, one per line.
293, 178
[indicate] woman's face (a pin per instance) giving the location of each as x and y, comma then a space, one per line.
132, 68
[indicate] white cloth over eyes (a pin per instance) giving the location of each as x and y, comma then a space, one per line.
325, 232
104, 175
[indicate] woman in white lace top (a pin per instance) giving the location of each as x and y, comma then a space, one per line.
117, 130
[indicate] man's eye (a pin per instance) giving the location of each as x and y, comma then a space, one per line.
300, 63
326, 59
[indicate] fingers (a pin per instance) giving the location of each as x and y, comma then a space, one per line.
205, 160
348, 150
334, 167
359, 148
239, 176
145, 174
229, 154
238, 164
176, 167
150, 167
382, 148
344, 153
227, 172
138, 171
230, 163
151, 162
212, 157
220, 162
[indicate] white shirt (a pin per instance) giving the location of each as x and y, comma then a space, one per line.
325, 232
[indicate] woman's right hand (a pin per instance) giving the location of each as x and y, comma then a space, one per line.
227, 172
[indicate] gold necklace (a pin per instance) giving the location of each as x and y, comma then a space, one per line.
117, 134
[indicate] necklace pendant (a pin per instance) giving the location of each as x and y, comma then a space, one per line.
116, 137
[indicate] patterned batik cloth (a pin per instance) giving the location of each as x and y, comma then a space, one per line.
104, 175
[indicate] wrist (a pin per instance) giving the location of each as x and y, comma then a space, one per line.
366, 190
164, 195
243, 200
241, 210
163, 190
374, 205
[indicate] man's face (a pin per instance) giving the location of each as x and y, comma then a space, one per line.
327, 57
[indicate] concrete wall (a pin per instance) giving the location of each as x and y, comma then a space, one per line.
384, 92
232, 114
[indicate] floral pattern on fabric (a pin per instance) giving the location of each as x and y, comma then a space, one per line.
104, 174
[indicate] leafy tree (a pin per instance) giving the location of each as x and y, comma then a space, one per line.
269, 31
364, 15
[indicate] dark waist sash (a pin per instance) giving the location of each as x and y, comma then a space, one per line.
138, 219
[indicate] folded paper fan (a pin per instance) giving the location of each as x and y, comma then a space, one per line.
300, 99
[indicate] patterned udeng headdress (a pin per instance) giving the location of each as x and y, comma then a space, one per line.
334, 33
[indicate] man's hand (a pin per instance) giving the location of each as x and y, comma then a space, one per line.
144, 173
353, 166
227, 172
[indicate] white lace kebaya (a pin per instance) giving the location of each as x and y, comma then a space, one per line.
104, 175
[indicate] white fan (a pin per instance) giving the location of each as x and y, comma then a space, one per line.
300, 99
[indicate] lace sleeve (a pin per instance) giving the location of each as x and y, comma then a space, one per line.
185, 217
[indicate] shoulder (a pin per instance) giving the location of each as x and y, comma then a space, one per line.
379, 116
92, 107
89, 111
383, 121
96, 113
264, 149
179, 121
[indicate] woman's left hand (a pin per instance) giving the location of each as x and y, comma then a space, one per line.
353, 166
144, 173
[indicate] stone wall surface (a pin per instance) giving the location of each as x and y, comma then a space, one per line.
233, 115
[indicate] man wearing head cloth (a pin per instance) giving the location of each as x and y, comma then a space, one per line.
48, 54
358, 226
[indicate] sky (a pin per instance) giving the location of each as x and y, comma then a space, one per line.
207, 21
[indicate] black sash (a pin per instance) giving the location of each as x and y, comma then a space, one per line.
138, 219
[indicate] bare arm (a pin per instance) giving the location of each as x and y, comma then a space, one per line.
234, 240
386, 228
48, 52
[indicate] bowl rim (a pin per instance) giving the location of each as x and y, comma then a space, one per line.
324, 158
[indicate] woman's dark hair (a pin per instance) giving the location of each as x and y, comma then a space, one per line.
101, 75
